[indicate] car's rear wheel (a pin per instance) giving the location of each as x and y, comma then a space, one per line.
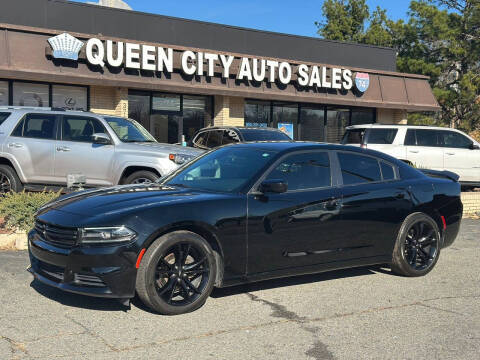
141, 177
417, 247
177, 273
9, 180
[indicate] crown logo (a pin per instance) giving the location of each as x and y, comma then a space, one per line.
65, 46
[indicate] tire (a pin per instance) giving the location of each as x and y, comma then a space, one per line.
9, 180
141, 177
177, 273
417, 247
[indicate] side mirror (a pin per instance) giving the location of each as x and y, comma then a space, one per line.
276, 186
474, 146
102, 139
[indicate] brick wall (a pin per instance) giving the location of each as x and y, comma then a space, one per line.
471, 203
229, 111
109, 100
391, 116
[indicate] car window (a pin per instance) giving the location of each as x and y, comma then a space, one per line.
303, 171
426, 137
227, 169
410, 138
3, 117
81, 129
388, 172
382, 136
264, 135
201, 139
129, 130
38, 126
215, 138
230, 136
353, 136
453, 139
358, 169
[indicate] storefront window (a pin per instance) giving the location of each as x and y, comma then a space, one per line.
30, 94
139, 108
3, 93
363, 116
194, 110
312, 123
69, 97
337, 120
166, 102
257, 113
285, 117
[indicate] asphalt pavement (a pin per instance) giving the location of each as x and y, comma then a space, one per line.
364, 313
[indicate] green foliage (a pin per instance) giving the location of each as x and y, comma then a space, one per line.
18, 209
441, 39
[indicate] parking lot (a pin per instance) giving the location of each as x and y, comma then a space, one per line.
362, 313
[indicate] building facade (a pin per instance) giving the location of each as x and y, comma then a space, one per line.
175, 76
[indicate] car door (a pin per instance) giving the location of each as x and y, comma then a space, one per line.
32, 144
460, 156
374, 204
423, 149
300, 226
77, 154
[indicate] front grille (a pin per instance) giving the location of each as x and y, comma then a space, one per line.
57, 235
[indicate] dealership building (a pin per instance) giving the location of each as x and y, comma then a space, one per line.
175, 76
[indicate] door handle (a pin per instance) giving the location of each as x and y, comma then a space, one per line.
399, 195
450, 153
15, 145
63, 148
414, 151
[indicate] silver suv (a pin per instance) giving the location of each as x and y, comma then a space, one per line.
41, 146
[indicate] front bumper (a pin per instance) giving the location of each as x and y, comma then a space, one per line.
101, 271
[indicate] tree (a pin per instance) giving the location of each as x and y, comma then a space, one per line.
441, 39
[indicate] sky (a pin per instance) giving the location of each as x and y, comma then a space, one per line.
292, 17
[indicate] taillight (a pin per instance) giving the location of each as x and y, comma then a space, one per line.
444, 222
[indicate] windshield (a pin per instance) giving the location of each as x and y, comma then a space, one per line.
263, 135
227, 169
353, 136
129, 130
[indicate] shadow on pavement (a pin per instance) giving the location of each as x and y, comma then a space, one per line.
104, 304
297, 280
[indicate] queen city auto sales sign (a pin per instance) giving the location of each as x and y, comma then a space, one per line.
152, 58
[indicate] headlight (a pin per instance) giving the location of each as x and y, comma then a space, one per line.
106, 235
180, 158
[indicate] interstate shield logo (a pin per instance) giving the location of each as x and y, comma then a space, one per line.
65, 46
362, 81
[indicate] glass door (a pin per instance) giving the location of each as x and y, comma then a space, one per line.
337, 120
312, 123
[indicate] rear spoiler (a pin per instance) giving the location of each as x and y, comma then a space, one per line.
441, 174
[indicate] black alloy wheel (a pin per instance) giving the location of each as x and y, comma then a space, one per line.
9, 180
5, 185
182, 275
177, 273
421, 245
418, 246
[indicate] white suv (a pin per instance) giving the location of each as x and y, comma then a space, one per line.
425, 147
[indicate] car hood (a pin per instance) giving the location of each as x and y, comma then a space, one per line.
164, 148
119, 199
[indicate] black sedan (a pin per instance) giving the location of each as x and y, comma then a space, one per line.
241, 213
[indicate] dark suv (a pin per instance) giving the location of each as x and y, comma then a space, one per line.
212, 137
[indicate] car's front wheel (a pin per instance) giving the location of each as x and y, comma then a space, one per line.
141, 177
177, 273
417, 247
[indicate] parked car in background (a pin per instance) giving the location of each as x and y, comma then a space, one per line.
40, 146
434, 148
243, 213
212, 137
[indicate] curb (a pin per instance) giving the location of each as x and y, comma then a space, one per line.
16, 240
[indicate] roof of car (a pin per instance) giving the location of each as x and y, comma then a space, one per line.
396, 126
239, 128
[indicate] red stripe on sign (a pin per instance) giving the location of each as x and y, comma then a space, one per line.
362, 75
